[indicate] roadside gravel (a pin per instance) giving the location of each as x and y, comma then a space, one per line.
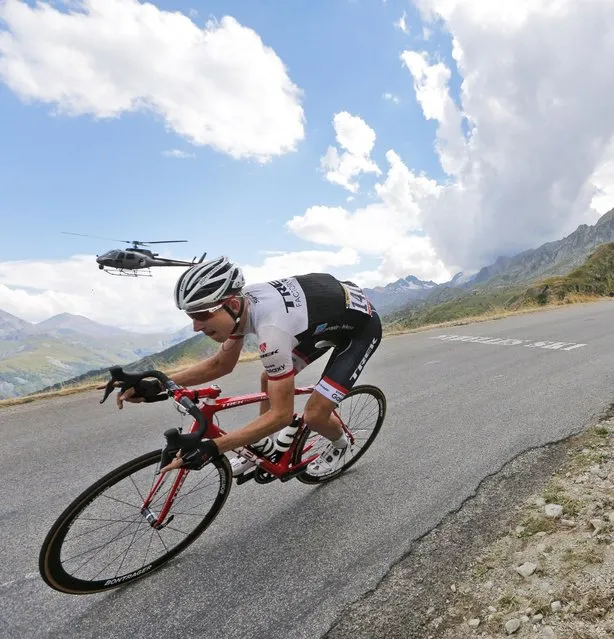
552, 575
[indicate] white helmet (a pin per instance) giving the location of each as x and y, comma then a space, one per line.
207, 285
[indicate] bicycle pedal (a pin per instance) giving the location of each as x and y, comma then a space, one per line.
262, 477
292, 474
245, 477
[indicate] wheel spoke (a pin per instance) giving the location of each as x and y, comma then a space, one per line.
362, 413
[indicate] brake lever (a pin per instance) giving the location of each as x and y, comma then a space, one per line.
116, 373
109, 388
175, 442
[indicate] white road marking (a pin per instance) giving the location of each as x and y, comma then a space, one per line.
500, 341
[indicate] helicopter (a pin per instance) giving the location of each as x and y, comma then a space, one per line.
126, 262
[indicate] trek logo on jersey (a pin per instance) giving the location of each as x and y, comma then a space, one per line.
289, 292
269, 354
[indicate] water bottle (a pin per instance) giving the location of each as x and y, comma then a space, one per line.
264, 446
285, 437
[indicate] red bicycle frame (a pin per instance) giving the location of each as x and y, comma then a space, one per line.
282, 469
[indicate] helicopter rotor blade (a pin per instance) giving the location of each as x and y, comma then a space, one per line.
163, 242
110, 239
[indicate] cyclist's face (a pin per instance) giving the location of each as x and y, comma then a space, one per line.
215, 324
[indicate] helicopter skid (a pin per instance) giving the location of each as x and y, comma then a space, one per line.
121, 272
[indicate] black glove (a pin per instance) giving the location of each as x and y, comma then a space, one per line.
204, 452
149, 390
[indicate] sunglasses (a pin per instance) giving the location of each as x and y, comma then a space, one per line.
202, 316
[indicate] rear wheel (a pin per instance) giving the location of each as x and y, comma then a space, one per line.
362, 411
103, 540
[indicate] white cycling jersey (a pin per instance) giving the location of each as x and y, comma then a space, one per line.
283, 313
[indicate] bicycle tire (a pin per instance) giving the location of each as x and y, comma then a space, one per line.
364, 389
50, 560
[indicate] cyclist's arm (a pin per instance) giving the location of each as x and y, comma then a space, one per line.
214, 367
281, 398
275, 350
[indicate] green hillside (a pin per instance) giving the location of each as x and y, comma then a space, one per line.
191, 350
30, 360
43, 359
194, 348
468, 304
595, 278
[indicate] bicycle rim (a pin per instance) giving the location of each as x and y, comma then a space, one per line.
102, 540
363, 411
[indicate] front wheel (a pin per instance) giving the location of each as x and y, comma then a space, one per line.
104, 539
362, 411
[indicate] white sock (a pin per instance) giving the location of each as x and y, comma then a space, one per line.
342, 442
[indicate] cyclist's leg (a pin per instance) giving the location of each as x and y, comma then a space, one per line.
340, 375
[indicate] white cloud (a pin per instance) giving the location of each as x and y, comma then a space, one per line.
219, 86
402, 23
409, 255
278, 264
36, 290
431, 86
536, 101
603, 181
389, 229
391, 98
177, 153
357, 139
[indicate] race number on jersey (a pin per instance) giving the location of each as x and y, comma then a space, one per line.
355, 298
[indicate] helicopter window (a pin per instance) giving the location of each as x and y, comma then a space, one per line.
120, 256
130, 256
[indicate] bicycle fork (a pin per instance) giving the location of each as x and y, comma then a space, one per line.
157, 521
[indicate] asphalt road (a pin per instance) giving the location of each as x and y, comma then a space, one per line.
286, 560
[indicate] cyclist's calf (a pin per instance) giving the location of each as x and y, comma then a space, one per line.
318, 416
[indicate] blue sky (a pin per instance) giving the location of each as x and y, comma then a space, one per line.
110, 178
373, 139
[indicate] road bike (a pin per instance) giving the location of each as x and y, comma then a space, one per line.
136, 518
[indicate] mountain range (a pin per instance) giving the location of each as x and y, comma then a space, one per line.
36, 355
405, 290
553, 258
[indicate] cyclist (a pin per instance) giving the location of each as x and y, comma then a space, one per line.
296, 320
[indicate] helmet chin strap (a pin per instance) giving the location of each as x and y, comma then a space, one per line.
236, 316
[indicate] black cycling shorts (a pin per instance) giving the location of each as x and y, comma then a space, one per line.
355, 337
